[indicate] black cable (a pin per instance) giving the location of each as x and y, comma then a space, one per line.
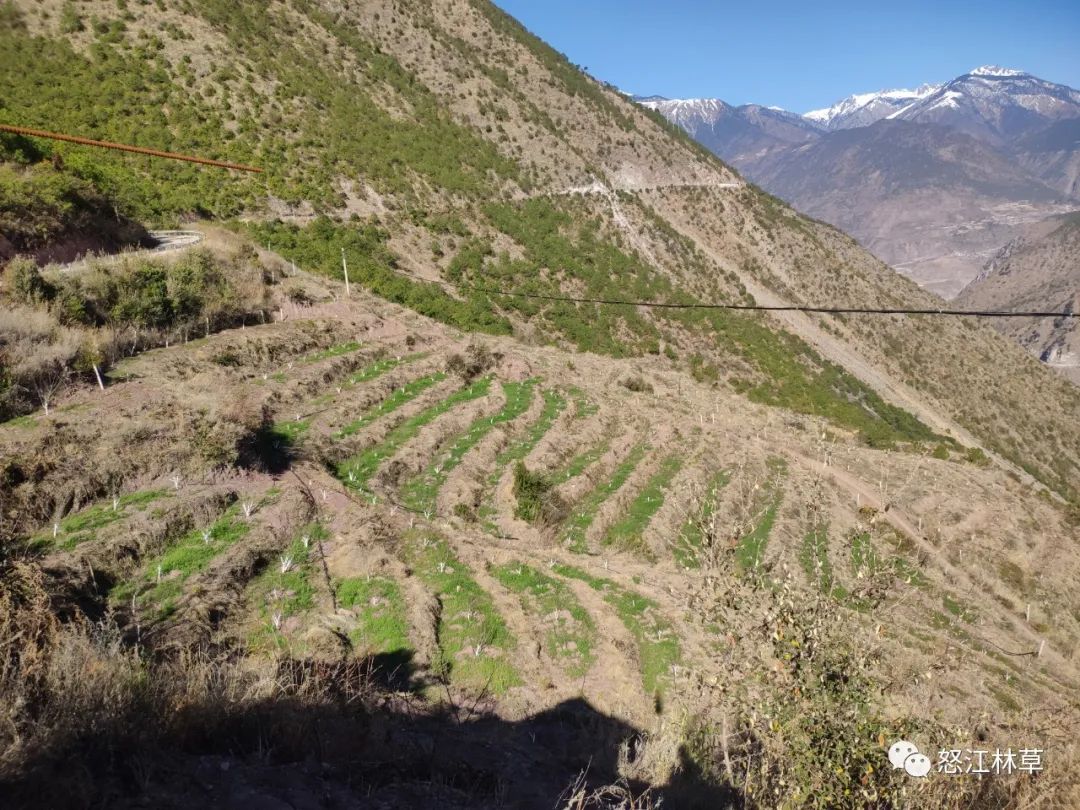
764, 308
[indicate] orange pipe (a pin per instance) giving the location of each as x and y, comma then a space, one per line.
139, 150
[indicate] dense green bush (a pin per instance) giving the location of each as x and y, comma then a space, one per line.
25, 283
372, 265
536, 500
156, 294
41, 203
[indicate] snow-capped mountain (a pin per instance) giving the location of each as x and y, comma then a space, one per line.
932, 179
735, 133
994, 104
863, 109
688, 113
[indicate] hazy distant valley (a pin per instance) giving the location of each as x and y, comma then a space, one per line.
934, 181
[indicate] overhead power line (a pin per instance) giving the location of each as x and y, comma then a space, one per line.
765, 308
122, 147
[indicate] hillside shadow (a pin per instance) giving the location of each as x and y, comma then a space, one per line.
350, 742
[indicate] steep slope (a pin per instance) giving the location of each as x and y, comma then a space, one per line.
347, 586
928, 200
352, 525
1037, 271
1053, 154
394, 80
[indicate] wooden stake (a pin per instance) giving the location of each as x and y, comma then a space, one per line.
345, 267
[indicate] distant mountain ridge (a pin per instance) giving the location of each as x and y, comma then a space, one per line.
863, 109
933, 180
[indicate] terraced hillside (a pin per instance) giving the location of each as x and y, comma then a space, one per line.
528, 532
428, 541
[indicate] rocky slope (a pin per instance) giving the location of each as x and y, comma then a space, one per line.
932, 202
1039, 271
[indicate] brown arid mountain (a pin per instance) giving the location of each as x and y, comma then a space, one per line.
436, 536
1053, 154
931, 201
1038, 272
933, 181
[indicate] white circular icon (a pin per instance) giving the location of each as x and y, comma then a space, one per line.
901, 750
917, 764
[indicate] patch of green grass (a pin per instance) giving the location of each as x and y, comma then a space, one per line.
82, 526
422, 492
1014, 577
400, 396
289, 433
658, 646
554, 404
28, 421
687, 548
909, 573
958, 608
583, 406
814, 558
751, 548
585, 512
569, 632
474, 641
281, 594
864, 557
579, 463
162, 580
627, 533
356, 471
379, 607
1005, 699
380, 367
333, 351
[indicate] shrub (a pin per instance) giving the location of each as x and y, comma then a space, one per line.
26, 283
70, 20
976, 456
145, 299
637, 384
476, 360
298, 295
537, 501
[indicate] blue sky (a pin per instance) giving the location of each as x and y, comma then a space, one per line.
801, 54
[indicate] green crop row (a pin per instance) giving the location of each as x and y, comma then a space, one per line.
577, 526
422, 492
658, 646
569, 632
356, 471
